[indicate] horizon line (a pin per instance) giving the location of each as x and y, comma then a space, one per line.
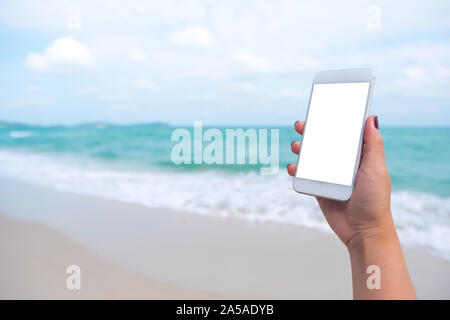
190, 124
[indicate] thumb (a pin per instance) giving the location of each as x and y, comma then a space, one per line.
373, 148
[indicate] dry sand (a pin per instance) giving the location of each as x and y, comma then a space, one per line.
130, 251
33, 265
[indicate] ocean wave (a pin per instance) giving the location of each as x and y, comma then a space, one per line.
422, 219
20, 134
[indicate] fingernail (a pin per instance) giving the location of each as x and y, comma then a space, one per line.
375, 121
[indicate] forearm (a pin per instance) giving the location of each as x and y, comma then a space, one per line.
380, 249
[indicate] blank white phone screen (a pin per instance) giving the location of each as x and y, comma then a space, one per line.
331, 138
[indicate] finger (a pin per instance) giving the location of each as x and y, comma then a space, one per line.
295, 146
299, 126
373, 142
291, 169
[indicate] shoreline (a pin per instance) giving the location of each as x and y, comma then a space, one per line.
190, 255
423, 219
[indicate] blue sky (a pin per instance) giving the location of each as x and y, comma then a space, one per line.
223, 62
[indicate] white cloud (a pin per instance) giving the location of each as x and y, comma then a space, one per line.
246, 86
87, 91
252, 61
293, 93
431, 81
144, 84
33, 88
268, 37
442, 71
34, 100
415, 74
277, 45
251, 88
138, 55
418, 76
63, 51
36, 62
115, 97
196, 36
204, 97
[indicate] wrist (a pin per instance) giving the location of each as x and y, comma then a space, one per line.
379, 247
380, 236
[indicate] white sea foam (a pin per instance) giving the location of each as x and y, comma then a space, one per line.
422, 219
20, 134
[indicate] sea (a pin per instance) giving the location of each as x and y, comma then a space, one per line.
132, 163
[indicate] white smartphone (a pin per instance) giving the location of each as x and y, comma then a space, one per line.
332, 138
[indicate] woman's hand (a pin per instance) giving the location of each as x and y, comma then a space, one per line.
368, 210
364, 223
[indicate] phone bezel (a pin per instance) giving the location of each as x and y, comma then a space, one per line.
326, 189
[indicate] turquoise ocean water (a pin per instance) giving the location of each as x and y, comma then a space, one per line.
133, 163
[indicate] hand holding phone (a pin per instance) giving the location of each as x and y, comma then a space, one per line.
364, 222
368, 209
369, 206
331, 147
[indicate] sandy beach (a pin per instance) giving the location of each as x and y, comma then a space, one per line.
131, 251
34, 259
